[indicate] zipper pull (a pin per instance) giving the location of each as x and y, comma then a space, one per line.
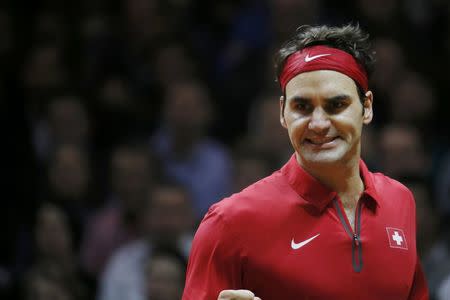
356, 239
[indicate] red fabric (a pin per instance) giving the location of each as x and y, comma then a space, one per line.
323, 58
248, 241
419, 289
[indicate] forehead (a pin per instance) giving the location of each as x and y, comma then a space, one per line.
325, 83
165, 263
187, 94
165, 197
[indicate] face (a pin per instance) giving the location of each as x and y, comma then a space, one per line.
165, 279
169, 214
44, 288
402, 151
69, 172
131, 177
249, 170
53, 237
271, 135
324, 116
188, 109
69, 121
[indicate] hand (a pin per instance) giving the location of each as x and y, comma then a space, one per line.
237, 295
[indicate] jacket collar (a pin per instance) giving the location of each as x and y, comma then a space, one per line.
316, 193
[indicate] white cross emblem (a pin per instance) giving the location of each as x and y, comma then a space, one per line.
397, 238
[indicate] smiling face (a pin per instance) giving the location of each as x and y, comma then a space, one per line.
324, 117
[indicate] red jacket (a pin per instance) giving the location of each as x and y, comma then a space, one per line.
287, 237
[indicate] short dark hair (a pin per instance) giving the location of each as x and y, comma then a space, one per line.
170, 251
349, 38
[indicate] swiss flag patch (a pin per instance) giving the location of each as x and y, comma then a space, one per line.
396, 238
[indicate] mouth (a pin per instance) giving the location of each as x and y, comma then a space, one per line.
325, 142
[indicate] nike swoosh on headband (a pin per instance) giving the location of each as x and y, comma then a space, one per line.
310, 58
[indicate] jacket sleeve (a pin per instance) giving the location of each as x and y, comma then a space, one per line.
215, 260
419, 290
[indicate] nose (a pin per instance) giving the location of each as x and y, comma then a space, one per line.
319, 122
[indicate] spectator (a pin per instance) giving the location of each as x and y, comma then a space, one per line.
116, 223
45, 72
402, 151
432, 242
188, 156
165, 274
444, 290
55, 270
249, 168
66, 122
167, 221
69, 186
413, 92
115, 111
66, 187
172, 64
231, 42
391, 66
265, 135
41, 286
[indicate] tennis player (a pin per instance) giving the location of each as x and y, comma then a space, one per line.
323, 226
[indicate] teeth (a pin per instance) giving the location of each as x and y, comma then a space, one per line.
318, 142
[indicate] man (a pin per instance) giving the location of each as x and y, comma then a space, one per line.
187, 155
165, 221
116, 223
323, 226
164, 274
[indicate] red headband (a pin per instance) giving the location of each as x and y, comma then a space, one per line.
322, 58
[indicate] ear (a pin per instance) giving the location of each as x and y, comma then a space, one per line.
282, 120
368, 111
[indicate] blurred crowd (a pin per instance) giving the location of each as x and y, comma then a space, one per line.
127, 119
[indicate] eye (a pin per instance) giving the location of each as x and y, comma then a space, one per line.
336, 105
303, 106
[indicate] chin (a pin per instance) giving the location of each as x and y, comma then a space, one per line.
323, 157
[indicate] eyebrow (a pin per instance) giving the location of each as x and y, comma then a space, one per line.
339, 97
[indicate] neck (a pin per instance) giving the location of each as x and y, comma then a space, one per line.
343, 177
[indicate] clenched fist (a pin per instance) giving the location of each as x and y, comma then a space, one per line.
237, 295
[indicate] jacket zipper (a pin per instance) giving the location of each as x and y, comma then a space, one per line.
355, 236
